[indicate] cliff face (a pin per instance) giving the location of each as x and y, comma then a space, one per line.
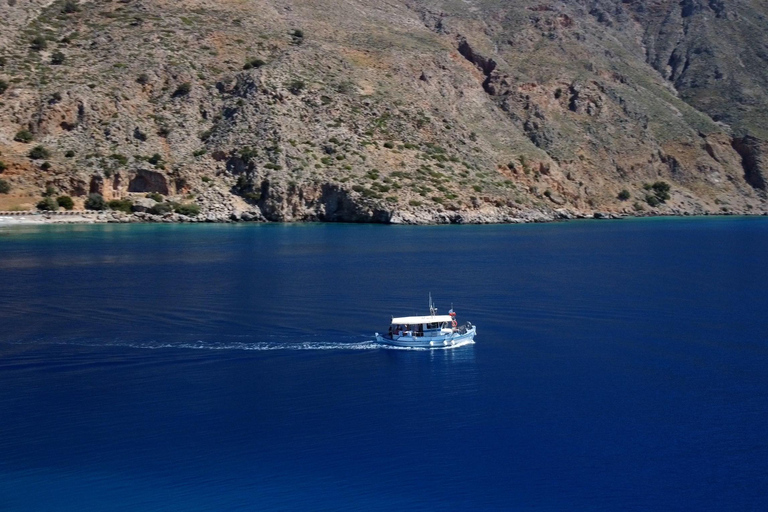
404, 111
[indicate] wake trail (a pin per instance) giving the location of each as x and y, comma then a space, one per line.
256, 345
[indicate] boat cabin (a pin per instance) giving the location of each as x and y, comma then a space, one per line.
422, 326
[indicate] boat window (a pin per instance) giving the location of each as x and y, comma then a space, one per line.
433, 325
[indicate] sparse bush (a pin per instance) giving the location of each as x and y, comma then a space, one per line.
3, 61
254, 63
69, 154
155, 159
187, 209
120, 159
296, 86
58, 58
298, 33
3, 86
142, 79
161, 209
661, 189
2, 166
120, 205
155, 197
199, 152
24, 136
65, 202
623, 195
46, 166
95, 202
48, 204
182, 90
38, 43
389, 145
39, 153
652, 201
5, 187
70, 6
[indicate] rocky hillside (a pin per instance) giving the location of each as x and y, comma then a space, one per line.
388, 111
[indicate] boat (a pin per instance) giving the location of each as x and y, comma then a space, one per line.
429, 331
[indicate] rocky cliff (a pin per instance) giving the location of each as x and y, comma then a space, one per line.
398, 111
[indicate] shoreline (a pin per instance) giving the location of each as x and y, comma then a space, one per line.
440, 218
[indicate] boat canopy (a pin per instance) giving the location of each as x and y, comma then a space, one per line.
429, 319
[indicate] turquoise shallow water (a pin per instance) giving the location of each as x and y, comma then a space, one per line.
618, 365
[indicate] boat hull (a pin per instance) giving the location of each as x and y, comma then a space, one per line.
450, 340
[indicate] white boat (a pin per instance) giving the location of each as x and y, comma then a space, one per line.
429, 331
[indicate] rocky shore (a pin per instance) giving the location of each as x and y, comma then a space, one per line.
487, 216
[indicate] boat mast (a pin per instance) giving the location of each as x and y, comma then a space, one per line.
432, 308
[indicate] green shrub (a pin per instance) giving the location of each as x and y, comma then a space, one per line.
46, 166
253, 63
161, 209
65, 202
661, 189
39, 153
48, 204
298, 33
3, 86
24, 136
413, 202
57, 58
652, 201
142, 79
155, 159
69, 154
623, 195
70, 6
5, 187
182, 90
95, 202
199, 152
120, 205
389, 145
187, 209
2, 166
155, 197
120, 159
38, 43
50, 191
296, 86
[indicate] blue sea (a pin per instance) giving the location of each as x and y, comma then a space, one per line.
619, 365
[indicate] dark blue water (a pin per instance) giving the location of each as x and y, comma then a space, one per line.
618, 366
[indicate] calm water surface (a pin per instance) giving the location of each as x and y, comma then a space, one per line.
618, 366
